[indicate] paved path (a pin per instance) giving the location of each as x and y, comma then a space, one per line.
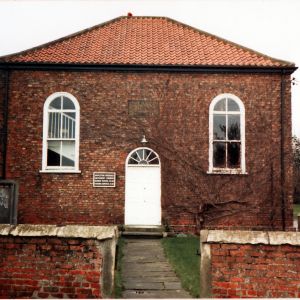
146, 272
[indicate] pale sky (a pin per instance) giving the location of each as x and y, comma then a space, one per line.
268, 26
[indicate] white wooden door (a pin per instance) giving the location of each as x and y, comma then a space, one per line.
143, 189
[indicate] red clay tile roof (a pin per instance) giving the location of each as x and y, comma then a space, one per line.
145, 41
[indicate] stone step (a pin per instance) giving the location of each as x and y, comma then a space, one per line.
144, 228
142, 234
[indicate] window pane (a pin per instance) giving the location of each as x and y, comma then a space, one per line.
68, 125
155, 161
134, 156
55, 103
68, 104
232, 105
68, 153
220, 105
234, 154
234, 130
151, 156
51, 125
219, 127
54, 125
219, 155
53, 153
147, 152
140, 154
132, 161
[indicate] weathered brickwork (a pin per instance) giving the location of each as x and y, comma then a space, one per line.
43, 267
179, 134
2, 92
2, 136
249, 271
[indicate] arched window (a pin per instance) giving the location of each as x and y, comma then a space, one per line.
61, 133
227, 135
143, 156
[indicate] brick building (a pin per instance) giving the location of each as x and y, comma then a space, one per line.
147, 121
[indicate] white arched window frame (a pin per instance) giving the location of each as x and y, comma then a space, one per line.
241, 167
61, 128
141, 157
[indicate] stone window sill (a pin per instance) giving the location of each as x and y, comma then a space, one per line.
227, 172
61, 171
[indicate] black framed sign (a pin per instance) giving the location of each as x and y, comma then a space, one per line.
9, 190
104, 179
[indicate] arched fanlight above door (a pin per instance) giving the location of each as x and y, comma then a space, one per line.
143, 156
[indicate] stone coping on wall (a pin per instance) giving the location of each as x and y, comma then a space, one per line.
68, 231
250, 237
209, 237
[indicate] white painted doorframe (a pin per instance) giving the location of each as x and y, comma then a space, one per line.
143, 188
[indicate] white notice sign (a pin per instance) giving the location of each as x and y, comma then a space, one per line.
104, 179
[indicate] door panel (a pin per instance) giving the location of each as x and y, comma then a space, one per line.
142, 196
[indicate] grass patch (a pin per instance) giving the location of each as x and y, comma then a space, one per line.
296, 210
118, 287
181, 252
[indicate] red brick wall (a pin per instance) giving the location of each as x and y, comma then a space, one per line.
179, 135
2, 96
49, 267
255, 271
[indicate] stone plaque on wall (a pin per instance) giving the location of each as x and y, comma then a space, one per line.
104, 179
143, 108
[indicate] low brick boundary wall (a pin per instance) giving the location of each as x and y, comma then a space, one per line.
242, 264
45, 261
